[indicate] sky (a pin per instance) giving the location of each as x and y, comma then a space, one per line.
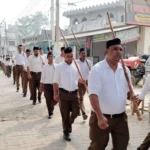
13, 9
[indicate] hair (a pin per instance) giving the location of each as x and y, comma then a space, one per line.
28, 50
20, 45
49, 54
49, 48
81, 50
40, 48
62, 48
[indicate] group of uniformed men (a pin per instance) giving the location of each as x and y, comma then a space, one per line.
64, 80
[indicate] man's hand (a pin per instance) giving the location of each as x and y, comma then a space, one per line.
56, 97
103, 123
29, 76
41, 89
43, 63
24, 69
82, 81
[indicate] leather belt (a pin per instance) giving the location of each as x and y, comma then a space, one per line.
69, 92
35, 72
113, 116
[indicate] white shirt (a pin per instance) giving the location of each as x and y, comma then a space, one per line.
66, 76
26, 63
145, 88
59, 59
110, 87
35, 63
44, 58
84, 68
20, 58
48, 74
8, 63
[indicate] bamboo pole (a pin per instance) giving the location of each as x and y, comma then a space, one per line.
135, 105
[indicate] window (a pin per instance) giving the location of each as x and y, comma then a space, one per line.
84, 19
76, 21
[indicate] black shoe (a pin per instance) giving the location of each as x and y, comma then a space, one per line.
138, 148
25, 94
70, 128
34, 103
31, 98
49, 117
85, 117
39, 101
17, 89
67, 137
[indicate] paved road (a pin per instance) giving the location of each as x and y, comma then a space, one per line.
26, 127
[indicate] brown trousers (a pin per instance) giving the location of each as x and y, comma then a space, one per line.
69, 108
19, 73
48, 93
36, 77
14, 74
82, 91
118, 127
146, 143
9, 70
25, 83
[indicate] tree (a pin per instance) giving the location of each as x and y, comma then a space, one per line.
31, 25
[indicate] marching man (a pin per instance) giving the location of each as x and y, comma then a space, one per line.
46, 84
85, 66
66, 79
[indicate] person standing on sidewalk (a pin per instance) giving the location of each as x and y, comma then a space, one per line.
146, 88
108, 91
85, 66
34, 69
20, 62
59, 59
8, 66
46, 84
25, 76
66, 79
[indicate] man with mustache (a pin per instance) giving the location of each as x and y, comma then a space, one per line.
108, 90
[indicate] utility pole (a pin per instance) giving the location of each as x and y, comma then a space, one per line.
1, 36
57, 21
6, 39
52, 20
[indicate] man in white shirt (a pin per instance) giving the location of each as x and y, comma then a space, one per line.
34, 69
20, 62
108, 90
66, 79
85, 67
25, 76
146, 88
59, 59
46, 84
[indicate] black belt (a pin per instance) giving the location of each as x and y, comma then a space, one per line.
113, 116
35, 72
19, 65
69, 92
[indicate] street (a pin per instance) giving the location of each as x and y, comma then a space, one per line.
26, 127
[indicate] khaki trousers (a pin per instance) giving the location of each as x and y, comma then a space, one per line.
19, 73
118, 128
69, 108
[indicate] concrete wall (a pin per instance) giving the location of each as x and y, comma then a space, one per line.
144, 42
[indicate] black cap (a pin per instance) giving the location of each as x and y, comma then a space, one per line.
62, 48
116, 41
35, 48
68, 50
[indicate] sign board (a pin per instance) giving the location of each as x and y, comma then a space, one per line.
138, 12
